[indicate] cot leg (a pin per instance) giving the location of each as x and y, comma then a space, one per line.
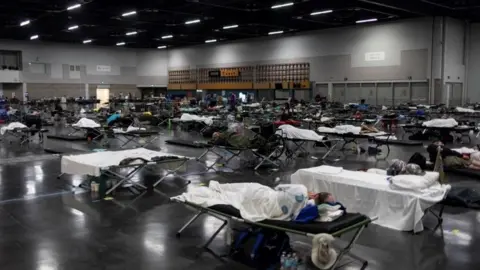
215, 234
60, 175
347, 249
179, 232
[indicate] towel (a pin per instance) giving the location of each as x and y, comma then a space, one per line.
328, 212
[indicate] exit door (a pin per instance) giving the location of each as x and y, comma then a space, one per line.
103, 94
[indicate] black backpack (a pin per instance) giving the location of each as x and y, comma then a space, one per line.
418, 159
260, 248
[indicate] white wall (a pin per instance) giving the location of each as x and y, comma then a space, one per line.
390, 38
474, 64
127, 66
454, 51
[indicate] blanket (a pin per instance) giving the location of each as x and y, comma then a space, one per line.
254, 201
448, 123
191, 117
291, 132
86, 123
12, 126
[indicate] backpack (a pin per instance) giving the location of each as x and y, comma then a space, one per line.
418, 159
260, 248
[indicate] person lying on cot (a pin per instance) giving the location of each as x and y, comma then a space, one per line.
368, 128
451, 159
236, 140
321, 207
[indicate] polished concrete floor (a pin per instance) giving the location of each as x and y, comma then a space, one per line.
47, 224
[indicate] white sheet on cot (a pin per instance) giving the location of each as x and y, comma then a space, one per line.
370, 194
93, 163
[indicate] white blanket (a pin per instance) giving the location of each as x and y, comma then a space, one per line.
253, 105
370, 194
208, 120
342, 129
465, 150
256, 202
86, 123
291, 132
464, 110
129, 129
450, 122
93, 163
12, 126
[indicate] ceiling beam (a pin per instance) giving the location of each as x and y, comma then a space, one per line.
371, 2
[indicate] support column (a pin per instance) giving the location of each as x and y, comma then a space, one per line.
330, 91
24, 91
87, 93
1, 89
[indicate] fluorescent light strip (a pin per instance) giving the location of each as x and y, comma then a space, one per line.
282, 5
230, 26
210, 41
368, 20
130, 13
131, 33
275, 33
34, 37
167, 37
321, 12
27, 22
161, 47
192, 22
120, 43
73, 27
74, 7
87, 41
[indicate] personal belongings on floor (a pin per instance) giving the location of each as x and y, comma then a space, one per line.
260, 248
323, 254
463, 197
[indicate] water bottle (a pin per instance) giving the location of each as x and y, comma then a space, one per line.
283, 258
294, 264
288, 262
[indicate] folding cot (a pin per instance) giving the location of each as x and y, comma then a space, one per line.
271, 156
460, 131
379, 138
122, 165
21, 133
299, 137
139, 137
373, 194
350, 222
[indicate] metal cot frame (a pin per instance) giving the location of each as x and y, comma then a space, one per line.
200, 210
133, 169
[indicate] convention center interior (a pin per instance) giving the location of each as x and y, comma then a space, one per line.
239, 134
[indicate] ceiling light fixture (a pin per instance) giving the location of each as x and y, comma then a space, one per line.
74, 7
210, 41
282, 5
131, 33
230, 26
167, 37
192, 22
27, 22
130, 13
120, 43
321, 12
73, 27
161, 47
87, 41
275, 33
34, 37
368, 20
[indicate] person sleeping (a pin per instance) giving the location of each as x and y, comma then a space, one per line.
452, 159
322, 207
368, 128
236, 140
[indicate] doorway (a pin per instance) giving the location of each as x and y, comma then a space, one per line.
103, 94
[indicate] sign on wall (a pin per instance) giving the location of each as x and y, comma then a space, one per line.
102, 68
375, 56
229, 72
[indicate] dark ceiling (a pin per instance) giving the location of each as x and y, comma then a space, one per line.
101, 21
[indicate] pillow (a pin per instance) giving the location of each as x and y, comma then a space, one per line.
411, 182
432, 177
